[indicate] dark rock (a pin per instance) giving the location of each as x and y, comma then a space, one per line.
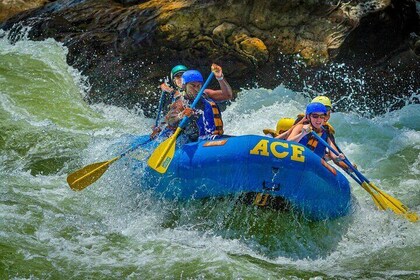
336, 48
131, 2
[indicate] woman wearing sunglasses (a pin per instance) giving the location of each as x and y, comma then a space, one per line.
315, 116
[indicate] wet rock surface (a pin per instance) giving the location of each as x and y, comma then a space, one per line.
368, 50
9, 8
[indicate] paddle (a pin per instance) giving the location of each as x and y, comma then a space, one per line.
162, 98
382, 199
376, 198
163, 154
157, 129
84, 177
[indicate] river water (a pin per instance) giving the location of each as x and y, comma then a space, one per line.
115, 230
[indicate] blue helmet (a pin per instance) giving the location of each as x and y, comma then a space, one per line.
316, 107
191, 76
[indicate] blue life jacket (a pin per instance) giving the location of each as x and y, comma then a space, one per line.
210, 122
313, 144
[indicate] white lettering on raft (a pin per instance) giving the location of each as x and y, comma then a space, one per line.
279, 150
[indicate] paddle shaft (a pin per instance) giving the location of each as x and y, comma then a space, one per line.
197, 98
345, 169
162, 97
346, 161
89, 174
134, 148
353, 176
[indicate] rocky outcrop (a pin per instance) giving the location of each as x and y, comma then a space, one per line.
126, 47
9, 8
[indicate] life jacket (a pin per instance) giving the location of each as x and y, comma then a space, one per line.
210, 122
329, 128
313, 144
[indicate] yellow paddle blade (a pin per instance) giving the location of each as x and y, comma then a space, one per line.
395, 205
163, 154
84, 177
379, 202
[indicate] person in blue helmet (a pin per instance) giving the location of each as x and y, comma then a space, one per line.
207, 114
315, 116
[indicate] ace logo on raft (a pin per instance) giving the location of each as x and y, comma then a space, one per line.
279, 150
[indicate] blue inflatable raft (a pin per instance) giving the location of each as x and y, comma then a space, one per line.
250, 164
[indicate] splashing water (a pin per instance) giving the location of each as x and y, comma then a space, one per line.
113, 229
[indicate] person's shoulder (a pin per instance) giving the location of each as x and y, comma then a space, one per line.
207, 96
210, 92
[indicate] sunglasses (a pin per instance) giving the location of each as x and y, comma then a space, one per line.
316, 116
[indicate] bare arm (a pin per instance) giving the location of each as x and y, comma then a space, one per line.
166, 88
337, 159
298, 132
225, 91
223, 94
285, 134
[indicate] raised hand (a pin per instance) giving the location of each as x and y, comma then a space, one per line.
217, 70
